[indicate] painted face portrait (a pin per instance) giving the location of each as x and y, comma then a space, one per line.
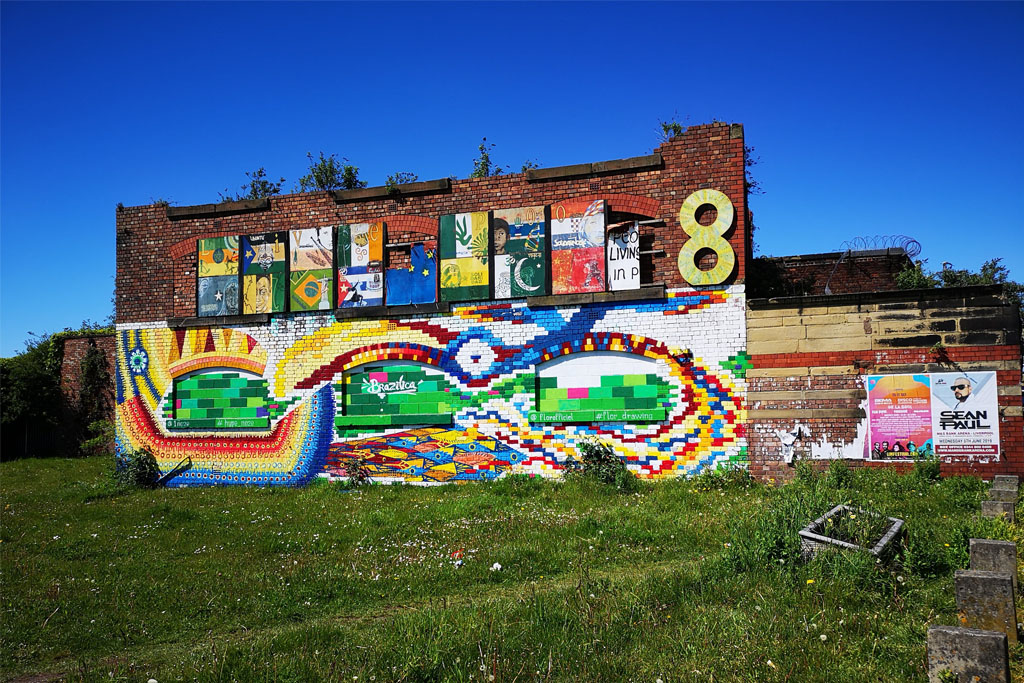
500, 237
263, 296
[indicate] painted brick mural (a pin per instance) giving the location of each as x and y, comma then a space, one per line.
483, 390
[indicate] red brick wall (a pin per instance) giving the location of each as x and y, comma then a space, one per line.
75, 349
156, 255
865, 271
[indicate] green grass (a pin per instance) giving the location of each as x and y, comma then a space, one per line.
681, 581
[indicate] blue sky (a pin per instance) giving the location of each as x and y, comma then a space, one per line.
869, 118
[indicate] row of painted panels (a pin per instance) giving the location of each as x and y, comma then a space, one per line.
498, 254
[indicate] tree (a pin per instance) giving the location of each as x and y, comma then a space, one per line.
399, 178
258, 187
31, 402
992, 273
483, 167
330, 173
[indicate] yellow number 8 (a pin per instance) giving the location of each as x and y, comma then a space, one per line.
706, 237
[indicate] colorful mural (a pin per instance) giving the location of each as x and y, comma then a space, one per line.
465, 244
577, 247
394, 394
417, 282
217, 276
520, 238
219, 400
479, 363
310, 269
264, 270
360, 262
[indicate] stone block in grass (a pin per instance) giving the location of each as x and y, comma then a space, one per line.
994, 556
997, 509
984, 600
840, 528
1006, 481
1004, 495
967, 654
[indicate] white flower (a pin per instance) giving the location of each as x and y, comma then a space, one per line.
495, 568
823, 637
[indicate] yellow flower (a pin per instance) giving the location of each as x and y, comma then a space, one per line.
810, 581
946, 544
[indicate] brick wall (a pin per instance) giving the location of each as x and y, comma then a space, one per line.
507, 386
75, 349
156, 249
844, 272
810, 355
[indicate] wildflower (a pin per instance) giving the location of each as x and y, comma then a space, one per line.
772, 664
495, 567
946, 544
823, 637
900, 579
810, 581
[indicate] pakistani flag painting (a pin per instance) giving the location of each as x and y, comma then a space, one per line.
465, 246
520, 239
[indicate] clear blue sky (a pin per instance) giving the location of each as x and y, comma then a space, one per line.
869, 118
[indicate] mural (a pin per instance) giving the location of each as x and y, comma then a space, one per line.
217, 281
416, 283
465, 243
219, 400
264, 272
577, 247
310, 270
360, 265
520, 238
624, 258
389, 394
482, 367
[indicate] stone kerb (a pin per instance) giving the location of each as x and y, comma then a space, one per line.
997, 509
984, 600
968, 654
994, 556
812, 540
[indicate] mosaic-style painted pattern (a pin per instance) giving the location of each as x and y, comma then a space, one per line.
489, 356
394, 394
219, 400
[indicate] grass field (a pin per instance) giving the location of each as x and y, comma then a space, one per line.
681, 581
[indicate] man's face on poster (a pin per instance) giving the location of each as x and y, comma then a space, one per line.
961, 389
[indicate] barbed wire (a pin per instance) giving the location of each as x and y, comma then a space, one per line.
911, 246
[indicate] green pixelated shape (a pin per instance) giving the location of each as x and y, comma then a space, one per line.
738, 364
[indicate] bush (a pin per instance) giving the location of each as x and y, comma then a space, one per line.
356, 470
723, 478
137, 469
598, 461
927, 469
804, 471
839, 474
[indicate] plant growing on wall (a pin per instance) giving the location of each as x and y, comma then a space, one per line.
483, 167
258, 187
399, 178
330, 173
992, 273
